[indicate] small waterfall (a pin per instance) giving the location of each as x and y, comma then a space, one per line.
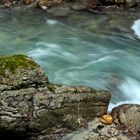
129, 92
136, 28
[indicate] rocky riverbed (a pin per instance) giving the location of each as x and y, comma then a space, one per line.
75, 4
118, 10
125, 126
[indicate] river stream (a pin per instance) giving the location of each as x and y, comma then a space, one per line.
80, 49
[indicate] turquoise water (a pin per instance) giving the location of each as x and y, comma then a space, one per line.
81, 49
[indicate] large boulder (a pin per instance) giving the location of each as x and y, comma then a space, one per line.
127, 117
30, 105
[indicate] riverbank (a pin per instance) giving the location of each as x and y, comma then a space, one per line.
63, 8
95, 6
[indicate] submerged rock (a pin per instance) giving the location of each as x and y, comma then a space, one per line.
32, 106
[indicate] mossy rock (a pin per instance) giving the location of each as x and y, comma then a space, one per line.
11, 63
19, 71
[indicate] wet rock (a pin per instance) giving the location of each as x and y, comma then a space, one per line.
103, 5
127, 117
7, 3
32, 106
27, 2
85, 4
45, 4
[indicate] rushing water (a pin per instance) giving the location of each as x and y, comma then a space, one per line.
82, 49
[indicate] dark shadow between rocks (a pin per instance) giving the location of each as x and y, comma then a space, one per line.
12, 135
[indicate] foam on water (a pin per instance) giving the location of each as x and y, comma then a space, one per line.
50, 49
131, 90
136, 27
51, 22
90, 63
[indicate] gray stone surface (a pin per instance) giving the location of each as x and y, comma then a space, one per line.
30, 104
127, 117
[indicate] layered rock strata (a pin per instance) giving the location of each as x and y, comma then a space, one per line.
31, 106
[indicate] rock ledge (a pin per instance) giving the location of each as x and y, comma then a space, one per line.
36, 108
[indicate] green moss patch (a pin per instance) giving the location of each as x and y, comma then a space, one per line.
16, 61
